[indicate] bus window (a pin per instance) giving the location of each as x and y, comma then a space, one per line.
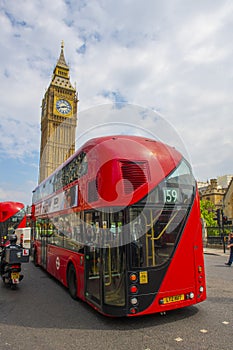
160, 231
156, 226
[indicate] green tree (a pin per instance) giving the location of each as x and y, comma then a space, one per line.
208, 212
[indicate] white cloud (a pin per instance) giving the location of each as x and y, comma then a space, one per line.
173, 56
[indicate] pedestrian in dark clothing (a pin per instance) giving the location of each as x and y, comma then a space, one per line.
230, 245
11, 245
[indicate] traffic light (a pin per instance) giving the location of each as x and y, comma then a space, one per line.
218, 217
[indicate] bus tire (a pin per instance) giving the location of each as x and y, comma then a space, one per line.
72, 281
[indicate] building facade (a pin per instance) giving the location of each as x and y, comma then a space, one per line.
58, 120
220, 192
224, 180
213, 193
228, 201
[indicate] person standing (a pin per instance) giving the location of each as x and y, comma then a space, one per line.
230, 245
10, 245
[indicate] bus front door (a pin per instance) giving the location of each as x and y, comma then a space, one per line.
114, 276
44, 232
93, 275
105, 276
44, 251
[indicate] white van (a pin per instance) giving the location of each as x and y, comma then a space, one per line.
24, 237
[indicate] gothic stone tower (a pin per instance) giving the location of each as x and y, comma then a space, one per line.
58, 120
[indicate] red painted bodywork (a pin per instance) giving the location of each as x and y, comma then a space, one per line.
8, 209
59, 268
104, 156
182, 274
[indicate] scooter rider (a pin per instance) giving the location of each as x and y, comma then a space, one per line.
12, 245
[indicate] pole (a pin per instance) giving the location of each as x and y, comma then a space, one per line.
223, 232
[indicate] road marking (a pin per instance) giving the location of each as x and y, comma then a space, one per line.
178, 339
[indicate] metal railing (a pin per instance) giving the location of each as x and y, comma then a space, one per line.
217, 236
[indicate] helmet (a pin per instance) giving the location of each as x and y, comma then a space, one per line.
12, 238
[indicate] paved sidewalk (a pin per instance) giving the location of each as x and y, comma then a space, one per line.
216, 251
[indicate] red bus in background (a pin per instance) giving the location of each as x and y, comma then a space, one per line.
119, 225
12, 216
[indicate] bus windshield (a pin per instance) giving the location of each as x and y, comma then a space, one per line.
157, 221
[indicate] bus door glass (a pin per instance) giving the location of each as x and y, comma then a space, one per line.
93, 278
105, 261
113, 260
44, 241
114, 278
92, 257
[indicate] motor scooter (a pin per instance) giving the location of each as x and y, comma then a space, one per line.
11, 275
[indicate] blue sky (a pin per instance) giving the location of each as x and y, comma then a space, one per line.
171, 56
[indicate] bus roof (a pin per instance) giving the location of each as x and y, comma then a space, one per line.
121, 148
7, 209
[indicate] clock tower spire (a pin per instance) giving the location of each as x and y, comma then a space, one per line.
58, 119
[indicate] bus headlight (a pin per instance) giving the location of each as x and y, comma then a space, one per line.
201, 289
134, 301
190, 295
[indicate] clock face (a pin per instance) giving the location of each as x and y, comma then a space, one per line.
63, 106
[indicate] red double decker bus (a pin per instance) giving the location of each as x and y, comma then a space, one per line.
119, 225
12, 216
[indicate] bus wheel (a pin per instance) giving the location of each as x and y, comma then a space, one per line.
72, 281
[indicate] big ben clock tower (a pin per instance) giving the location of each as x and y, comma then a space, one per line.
58, 120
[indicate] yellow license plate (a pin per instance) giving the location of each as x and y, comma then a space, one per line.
173, 299
15, 275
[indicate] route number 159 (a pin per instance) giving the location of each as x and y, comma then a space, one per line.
170, 195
